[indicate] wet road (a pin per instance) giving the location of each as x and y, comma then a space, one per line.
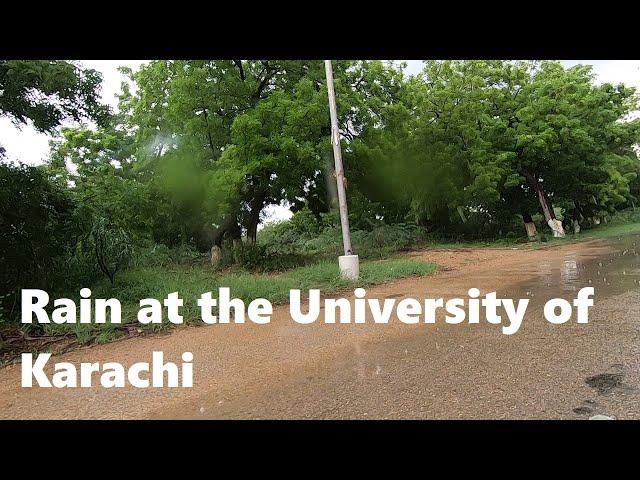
285, 370
543, 371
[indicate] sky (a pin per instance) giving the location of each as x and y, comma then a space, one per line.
29, 146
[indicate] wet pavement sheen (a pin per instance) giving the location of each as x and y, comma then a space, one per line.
471, 371
435, 371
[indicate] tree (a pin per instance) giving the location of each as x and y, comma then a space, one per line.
249, 133
487, 137
112, 246
200, 148
97, 166
49, 92
566, 133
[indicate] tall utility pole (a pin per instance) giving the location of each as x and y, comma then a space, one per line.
349, 264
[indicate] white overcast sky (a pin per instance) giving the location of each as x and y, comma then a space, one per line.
29, 146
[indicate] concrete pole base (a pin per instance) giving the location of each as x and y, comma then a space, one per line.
349, 267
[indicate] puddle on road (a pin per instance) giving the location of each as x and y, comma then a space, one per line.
609, 274
475, 372
612, 273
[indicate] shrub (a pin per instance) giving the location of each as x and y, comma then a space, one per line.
155, 255
160, 255
305, 223
257, 257
288, 237
112, 247
304, 238
37, 228
251, 257
629, 215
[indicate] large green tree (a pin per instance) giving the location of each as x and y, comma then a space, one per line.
200, 148
489, 139
247, 134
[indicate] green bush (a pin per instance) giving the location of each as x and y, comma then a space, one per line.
289, 237
251, 257
112, 245
256, 257
307, 236
629, 215
37, 228
156, 255
305, 223
160, 255
328, 242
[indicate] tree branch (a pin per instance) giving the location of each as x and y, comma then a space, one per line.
238, 63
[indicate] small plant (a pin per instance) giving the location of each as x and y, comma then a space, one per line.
251, 257
112, 247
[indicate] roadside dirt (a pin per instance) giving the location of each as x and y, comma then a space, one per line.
286, 370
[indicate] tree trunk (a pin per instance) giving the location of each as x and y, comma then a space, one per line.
252, 230
254, 217
235, 233
218, 236
577, 215
529, 225
228, 225
545, 204
216, 255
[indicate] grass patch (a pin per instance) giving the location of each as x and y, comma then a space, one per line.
626, 222
192, 281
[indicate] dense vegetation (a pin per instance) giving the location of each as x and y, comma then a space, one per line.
198, 149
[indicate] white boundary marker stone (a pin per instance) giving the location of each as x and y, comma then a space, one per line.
349, 267
601, 417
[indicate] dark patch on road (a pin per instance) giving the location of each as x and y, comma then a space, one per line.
605, 382
582, 410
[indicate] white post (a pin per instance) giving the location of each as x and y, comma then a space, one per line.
349, 263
